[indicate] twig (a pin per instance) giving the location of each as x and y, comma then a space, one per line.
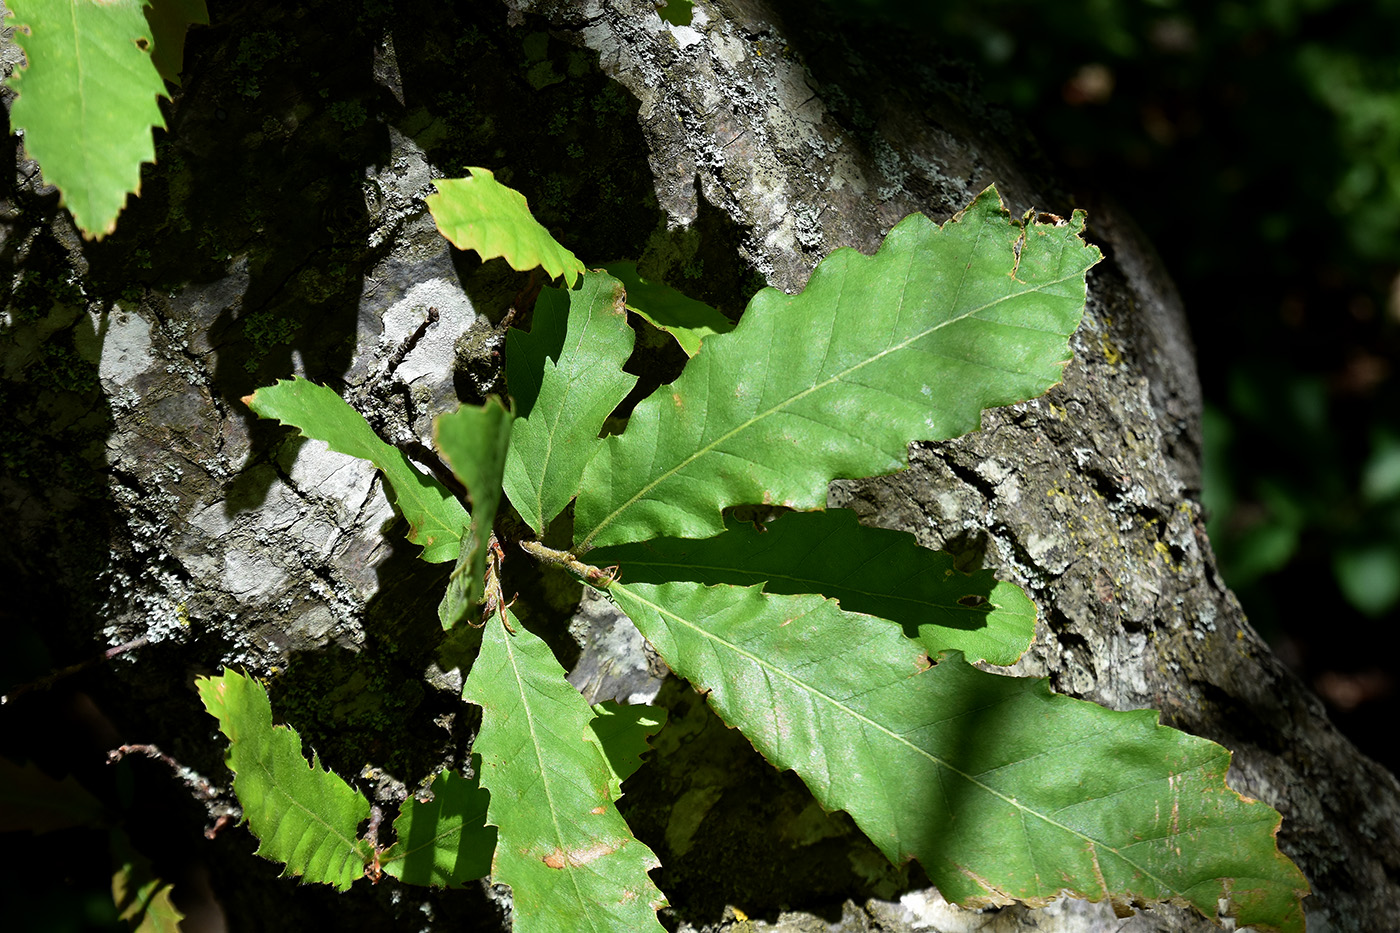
602, 578
191, 778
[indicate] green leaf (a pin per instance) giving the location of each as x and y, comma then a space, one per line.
566, 852
871, 570
1002, 790
445, 841
303, 815
566, 377
910, 344
141, 897
684, 318
473, 440
87, 101
435, 517
621, 731
482, 214
169, 19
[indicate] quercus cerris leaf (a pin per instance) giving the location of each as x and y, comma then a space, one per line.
1002, 790
474, 441
436, 520
445, 841
141, 897
303, 815
87, 101
684, 318
623, 732
566, 377
871, 570
876, 352
479, 213
567, 854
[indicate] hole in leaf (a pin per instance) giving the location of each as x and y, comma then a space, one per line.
972, 601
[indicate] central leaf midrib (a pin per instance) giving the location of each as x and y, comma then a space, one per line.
544, 769
769, 668
707, 448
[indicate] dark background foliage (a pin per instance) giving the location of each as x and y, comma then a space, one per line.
1258, 144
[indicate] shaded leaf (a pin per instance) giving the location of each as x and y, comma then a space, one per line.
1002, 790
87, 101
30, 799
445, 841
622, 731
473, 440
435, 518
169, 20
302, 814
569, 857
910, 344
566, 377
141, 897
870, 570
480, 213
684, 318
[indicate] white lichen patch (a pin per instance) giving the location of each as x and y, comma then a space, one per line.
126, 349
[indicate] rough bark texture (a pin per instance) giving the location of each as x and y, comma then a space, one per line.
284, 230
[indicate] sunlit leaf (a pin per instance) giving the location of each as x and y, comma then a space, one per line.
142, 898
622, 731
303, 815
479, 213
566, 378
568, 856
876, 352
1002, 790
87, 101
435, 518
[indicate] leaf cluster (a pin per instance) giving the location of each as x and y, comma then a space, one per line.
842, 652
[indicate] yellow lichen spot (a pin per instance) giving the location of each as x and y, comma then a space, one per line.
1111, 352
1239, 634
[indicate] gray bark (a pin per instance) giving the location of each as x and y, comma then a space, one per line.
143, 500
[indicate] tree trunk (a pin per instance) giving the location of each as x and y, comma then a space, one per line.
283, 231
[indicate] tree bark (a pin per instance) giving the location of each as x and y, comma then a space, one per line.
284, 231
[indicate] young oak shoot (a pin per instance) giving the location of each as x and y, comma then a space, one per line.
841, 652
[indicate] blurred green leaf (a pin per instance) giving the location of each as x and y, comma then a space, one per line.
1370, 576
